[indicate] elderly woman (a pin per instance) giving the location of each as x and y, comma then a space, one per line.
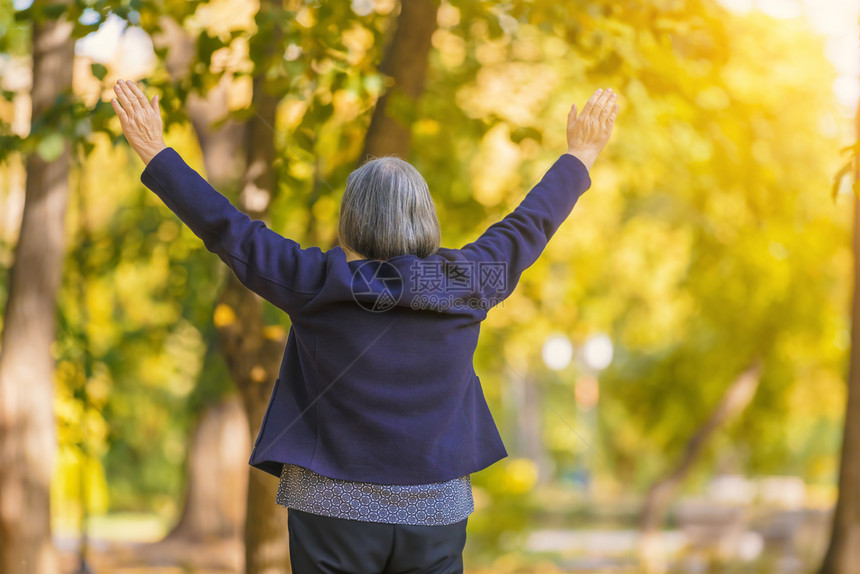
377, 417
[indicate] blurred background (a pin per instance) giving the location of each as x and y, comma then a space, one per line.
671, 378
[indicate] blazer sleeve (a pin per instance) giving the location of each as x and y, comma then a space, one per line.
274, 267
510, 246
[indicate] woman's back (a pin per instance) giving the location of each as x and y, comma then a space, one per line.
376, 384
378, 366
385, 391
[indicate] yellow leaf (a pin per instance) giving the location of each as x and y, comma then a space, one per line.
224, 315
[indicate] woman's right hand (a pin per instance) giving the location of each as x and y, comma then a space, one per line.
588, 132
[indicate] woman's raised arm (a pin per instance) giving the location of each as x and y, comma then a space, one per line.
517, 241
274, 267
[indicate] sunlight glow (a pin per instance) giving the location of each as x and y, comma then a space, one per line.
102, 44
837, 21
127, 49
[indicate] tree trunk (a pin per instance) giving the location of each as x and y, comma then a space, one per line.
252, 352
254, 357
405, 62
219, 448
27, 429
660, 495
843, 553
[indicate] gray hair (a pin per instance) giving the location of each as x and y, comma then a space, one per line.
387, 211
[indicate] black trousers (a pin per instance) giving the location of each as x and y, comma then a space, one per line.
324, 545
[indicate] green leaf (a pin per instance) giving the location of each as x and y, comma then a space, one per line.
242, 114
50, 147
53, 11
206, 46
86, 146
24, 15
80, 30
8, 144
99, 70
522, 133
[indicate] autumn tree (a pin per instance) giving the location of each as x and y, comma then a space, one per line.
27, 432
843, 553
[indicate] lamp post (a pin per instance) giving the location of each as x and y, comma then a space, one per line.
592, 357
557, 353
595, 355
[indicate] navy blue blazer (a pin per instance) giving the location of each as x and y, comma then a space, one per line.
377, 382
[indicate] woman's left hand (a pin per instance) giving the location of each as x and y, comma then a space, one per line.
140, 120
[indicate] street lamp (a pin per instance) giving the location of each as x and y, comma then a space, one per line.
557, 352
597, 352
